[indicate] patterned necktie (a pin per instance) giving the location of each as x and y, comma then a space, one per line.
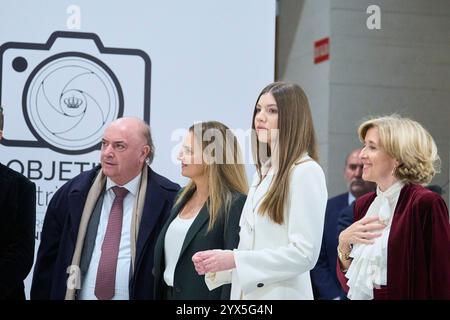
106, 272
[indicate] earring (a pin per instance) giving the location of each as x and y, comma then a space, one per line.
394, 169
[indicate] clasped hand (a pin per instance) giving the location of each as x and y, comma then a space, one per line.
213, 261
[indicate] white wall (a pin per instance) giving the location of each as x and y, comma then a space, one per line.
300, 24
403, 68
209, 61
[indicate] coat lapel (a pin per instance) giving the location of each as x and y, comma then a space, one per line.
174, 212
197, 224
6, 185
154, 203
76, 204
76, 201
159, 247
8, 197
259, 190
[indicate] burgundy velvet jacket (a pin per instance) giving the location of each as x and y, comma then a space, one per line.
418, 262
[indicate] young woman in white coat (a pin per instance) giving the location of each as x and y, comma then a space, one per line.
282, 221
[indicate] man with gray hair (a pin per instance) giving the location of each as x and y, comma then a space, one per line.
324, 280
101, 227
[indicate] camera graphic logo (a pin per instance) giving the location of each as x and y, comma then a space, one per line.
63, 93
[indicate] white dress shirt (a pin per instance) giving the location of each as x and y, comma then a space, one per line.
351, 198
124, 256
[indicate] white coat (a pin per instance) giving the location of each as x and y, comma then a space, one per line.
273, 261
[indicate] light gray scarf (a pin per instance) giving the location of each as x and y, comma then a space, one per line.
74, 280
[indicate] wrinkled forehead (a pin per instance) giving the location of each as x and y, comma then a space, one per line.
116, 132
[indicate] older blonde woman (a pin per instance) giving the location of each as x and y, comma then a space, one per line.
399, 246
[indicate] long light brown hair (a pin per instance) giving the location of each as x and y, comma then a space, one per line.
223, 166
296, 137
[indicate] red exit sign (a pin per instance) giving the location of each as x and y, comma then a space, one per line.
321, 50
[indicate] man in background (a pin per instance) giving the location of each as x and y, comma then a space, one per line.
323, 276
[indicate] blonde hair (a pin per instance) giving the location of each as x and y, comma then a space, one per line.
224, 177
296, 138
409, 143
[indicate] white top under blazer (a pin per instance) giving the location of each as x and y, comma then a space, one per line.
273, 261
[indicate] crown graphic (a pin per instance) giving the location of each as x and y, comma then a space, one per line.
73, 102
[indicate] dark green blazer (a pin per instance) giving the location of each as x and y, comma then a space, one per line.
188, 285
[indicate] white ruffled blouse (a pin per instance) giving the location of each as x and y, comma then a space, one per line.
368, 269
